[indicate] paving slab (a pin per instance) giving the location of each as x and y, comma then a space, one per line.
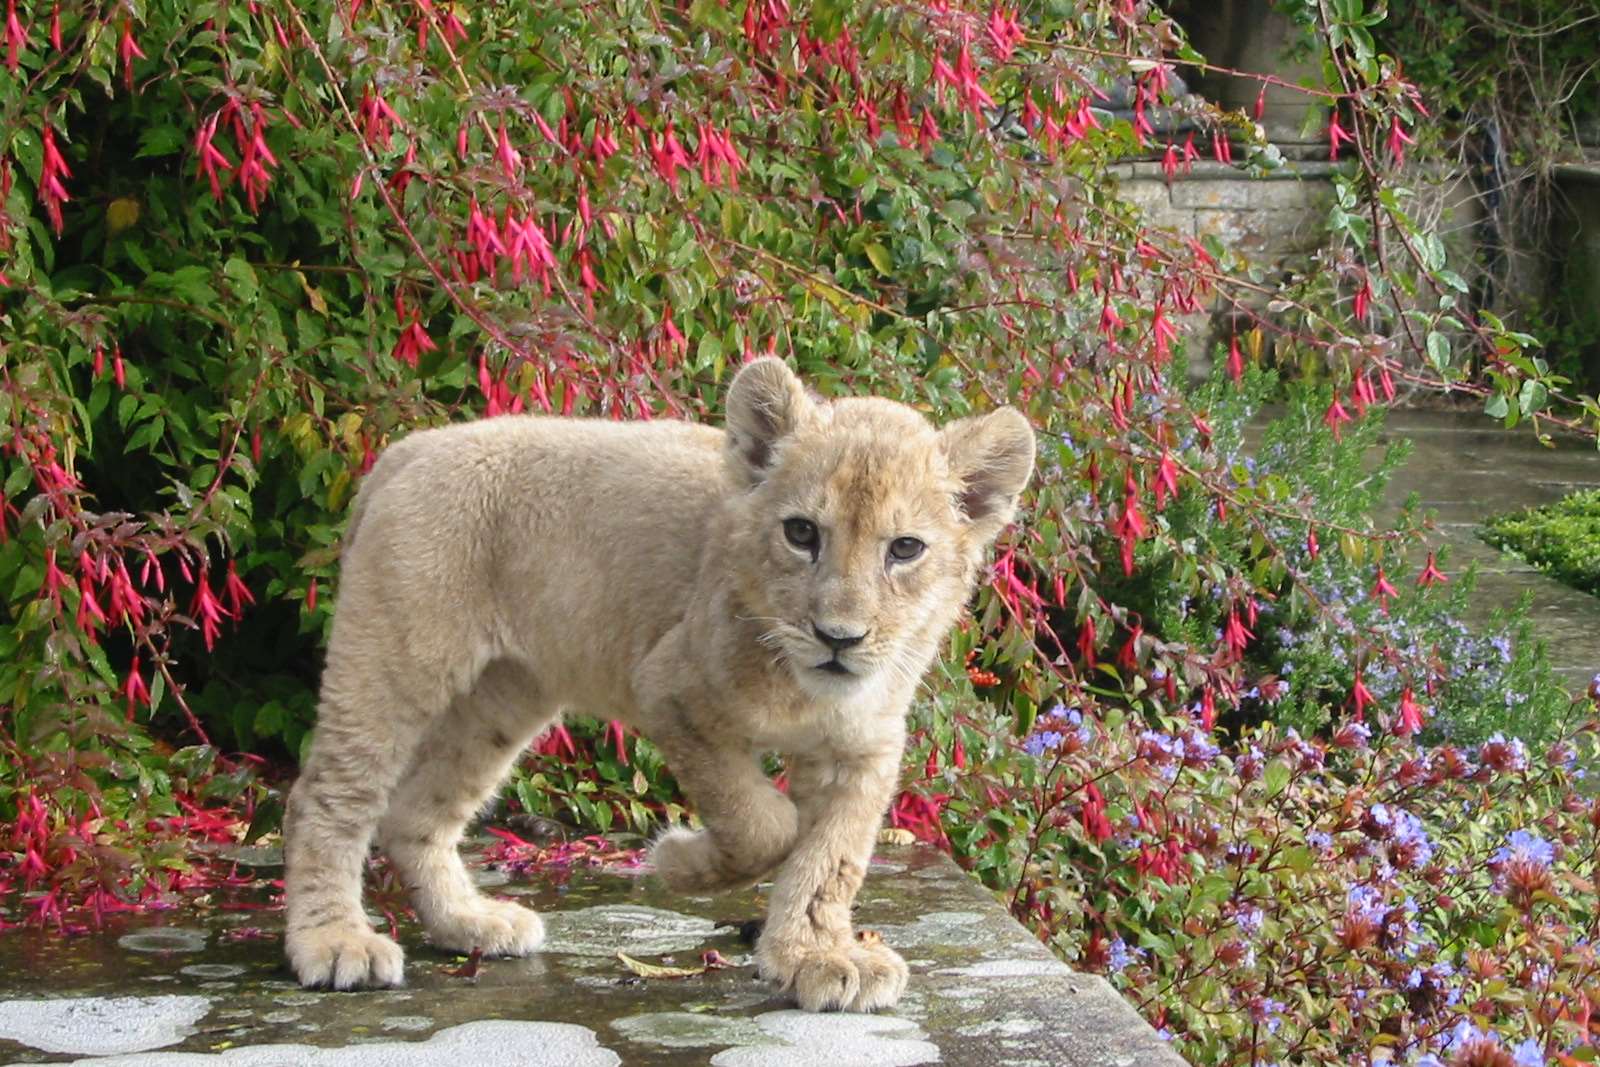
210, 989
1464, 468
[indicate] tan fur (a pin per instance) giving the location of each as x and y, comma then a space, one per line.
499, 573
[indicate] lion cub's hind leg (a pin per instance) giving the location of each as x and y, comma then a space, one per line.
462, 758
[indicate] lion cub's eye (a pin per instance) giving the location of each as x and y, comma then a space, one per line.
905, 549
802, 533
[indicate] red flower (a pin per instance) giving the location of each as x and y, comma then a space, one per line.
1234, 635
1335, 417
510, 159
235, 592
1410, 721
52, 193
207, 610
1430, 573
16, 37
1337, 135
1086, 641
1383, 589
210, 158
1362, 696
1166, 479
1398, 140
1362, 301
1169, 162
412, 342
1005, 33
1093, 814
1235, 359
128, 49
134, 689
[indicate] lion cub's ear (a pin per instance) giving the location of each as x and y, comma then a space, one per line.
765, 403
992, 456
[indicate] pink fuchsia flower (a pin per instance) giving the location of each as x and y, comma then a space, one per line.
510, 159
1337, 135
1335, 417
1004, 32
1362, 696
1166, 479
1431, 574
16, 37
52, 193
1409, 722
667, 156
134, 689
128, 49
1398, 140
209, 157
1234, 634
207, 610
255, 160
235, 592
1235, 359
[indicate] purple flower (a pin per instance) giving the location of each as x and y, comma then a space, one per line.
1119, 955
1528, 1054
1530, 848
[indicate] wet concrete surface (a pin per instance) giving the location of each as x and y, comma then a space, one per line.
210, 988
1464, 468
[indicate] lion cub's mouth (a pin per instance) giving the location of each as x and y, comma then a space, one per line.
833, 666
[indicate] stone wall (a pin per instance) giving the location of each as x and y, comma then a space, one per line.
1273, 219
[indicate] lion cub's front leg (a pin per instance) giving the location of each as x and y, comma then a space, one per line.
808, 946
749, 826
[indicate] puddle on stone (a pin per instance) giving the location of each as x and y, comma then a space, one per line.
839, 1040
212, 970
682, 1029
165, 939
634, 929
101, 1026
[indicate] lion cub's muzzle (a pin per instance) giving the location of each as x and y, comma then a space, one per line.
836, 639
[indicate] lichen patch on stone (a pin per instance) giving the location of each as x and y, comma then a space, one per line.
100, 1026
611, 928
841, 1040
526, 1044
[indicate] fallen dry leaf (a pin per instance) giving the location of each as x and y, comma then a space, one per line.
468, 969
893, 835
656, 970
869, 938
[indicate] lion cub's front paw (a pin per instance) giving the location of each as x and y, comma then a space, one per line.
865, 975
498, 927
344, 957
690, 862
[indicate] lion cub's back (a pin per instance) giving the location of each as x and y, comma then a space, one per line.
547, 517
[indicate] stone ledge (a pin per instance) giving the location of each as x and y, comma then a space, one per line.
148, 993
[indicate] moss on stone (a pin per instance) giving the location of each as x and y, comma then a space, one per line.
1561, 539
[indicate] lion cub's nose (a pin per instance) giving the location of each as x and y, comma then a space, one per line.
836, 640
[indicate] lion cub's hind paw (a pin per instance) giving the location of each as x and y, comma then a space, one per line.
498, 927
345, 957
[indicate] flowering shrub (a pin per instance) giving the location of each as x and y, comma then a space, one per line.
1357, 898
242, 247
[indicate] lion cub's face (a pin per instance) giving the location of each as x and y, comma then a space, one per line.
862, 525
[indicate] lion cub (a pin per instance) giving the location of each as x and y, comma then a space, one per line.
780, 585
